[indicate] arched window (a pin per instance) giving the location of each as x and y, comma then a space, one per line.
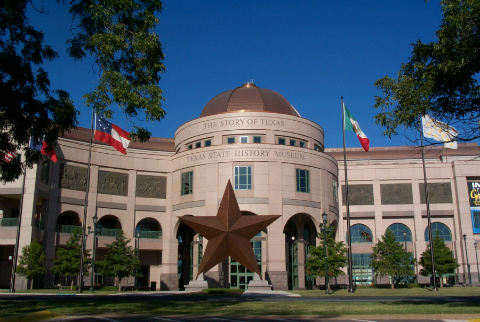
440, 230
398, 230
361, 234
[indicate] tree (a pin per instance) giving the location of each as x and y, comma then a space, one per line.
440, 78
119, 35
390, 258
31, 263
445, 262
336, 251
67, 260
120, 260
28, 108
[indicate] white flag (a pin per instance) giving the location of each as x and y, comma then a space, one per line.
439, 131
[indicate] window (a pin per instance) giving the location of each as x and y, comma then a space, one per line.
440, 230
231, 140
361, 234
335, 189
303, 180
301, 144
316, 147
190, 146
187, 183
398, 230
244, 139
243, 177
208, 142
293, 142
257, 139
281, 141
198, 144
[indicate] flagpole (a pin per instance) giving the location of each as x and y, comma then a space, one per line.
427, 202
84, 226
349, 242
17, 240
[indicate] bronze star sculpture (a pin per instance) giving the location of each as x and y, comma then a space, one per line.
228, 233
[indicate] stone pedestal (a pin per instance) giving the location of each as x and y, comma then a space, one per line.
257, 284
198, 285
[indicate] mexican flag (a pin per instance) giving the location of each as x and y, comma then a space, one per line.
352, 125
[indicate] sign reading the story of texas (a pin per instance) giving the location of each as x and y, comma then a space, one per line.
228, 233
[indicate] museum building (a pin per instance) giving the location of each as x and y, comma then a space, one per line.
277, 164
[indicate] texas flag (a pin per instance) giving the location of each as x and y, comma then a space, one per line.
352, 125
111, 134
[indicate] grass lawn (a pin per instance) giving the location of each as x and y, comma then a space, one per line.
417, 291
17, 309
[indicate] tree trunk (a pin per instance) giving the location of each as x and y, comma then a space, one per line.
71, 285
392, 285
441, 281
119, 284
31, 284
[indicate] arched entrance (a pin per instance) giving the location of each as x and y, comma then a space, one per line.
109, 226
300, 234
67, 222
185, 255
148, 230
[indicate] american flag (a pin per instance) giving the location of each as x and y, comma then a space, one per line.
8, 156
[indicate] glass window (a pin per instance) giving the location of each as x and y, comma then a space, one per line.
440, 230
231, 140
208, 142
198, 144
361, 234
187, 183
243, 177
398, 230
281, 141
303, 180
335, 189
316, 147
257, 139
293, 142
301, 144
244, 139
362, 272
190, 146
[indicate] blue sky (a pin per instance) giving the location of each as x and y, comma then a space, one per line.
311, 52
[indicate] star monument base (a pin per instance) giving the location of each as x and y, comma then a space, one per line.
258, 285
198, 285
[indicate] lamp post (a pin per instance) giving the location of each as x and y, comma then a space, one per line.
475, 244
466, 255
94, 249
137, 246
405, 239
323, 227
292, 277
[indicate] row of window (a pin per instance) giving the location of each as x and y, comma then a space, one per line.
254, 139
243, 180
362, 234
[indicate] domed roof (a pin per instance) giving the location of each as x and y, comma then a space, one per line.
248, 98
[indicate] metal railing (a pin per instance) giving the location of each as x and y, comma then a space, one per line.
150, 234
68, 228
8, 222
109, 232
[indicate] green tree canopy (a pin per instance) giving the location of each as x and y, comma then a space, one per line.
445, 262
336, 251
118, 35
120, 260
31, 263
390, 258
67, 260
440, 78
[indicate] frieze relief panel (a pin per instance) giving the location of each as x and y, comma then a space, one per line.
440, 192
112, 183
359, 194
151, 187
73, 177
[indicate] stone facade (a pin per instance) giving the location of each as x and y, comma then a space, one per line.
288, 173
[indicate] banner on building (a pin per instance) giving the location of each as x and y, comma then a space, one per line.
474, 198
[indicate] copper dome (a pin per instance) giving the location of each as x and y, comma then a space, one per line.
248, 98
